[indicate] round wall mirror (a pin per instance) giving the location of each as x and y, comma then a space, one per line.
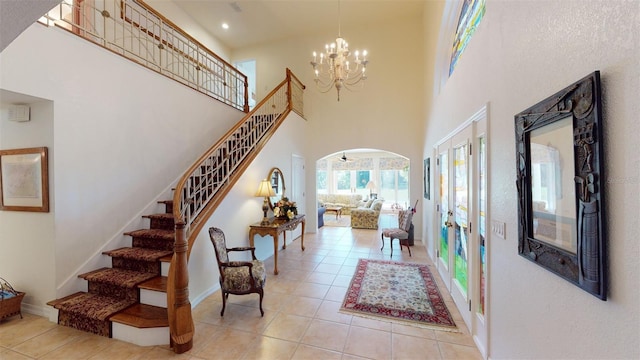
277, 183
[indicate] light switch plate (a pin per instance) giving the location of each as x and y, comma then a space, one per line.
498, 228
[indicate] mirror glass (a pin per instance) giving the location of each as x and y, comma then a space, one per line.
277, 183
553, 198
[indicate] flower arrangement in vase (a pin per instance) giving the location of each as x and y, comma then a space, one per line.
285, 209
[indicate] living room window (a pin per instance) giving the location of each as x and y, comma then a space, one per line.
342, 180
362, 179
349, 181
321, 182
366, 172
394, 187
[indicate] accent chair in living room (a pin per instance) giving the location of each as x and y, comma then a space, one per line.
365, 217
401, 232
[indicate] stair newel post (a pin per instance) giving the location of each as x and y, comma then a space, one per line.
178, 304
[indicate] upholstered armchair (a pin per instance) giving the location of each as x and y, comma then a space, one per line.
237, 277
401, 232
366, 218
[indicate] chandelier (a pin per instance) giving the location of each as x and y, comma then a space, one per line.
336, 67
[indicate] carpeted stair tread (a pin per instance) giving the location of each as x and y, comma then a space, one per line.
113, 294
161, 234
93, 306
118, 277
137, 253
164, 216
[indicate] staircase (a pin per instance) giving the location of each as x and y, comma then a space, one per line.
128, 300
144, 297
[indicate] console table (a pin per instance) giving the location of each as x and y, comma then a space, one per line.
274, 228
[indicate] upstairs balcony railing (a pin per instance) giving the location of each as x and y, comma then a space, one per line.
134, 30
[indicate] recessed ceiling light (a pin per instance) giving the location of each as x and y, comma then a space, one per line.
225, 26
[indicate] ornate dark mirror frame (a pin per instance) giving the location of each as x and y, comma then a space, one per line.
574, 249
277, 183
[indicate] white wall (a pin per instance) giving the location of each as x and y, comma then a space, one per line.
34, 242
240, 208
385, 114
121, 135
523, 52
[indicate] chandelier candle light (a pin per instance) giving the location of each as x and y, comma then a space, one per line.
334, 67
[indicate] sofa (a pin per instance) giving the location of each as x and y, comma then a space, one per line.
367, 215
346, 201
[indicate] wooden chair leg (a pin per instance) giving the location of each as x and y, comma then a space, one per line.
261, 295
382, 237
405, 243
224, 302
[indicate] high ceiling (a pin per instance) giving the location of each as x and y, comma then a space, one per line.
253, 22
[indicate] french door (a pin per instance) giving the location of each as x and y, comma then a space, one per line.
453, 210
461, 213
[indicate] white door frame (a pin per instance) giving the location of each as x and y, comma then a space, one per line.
477, 321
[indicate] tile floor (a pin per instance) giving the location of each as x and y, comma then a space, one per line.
301, 319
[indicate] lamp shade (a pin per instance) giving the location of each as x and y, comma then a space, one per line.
371, 185
265, 189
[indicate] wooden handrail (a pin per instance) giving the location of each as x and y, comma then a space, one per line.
205, 184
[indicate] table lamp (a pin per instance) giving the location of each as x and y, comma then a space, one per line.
371, 186
265, 190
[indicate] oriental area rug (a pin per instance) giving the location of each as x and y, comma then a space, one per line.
397, 292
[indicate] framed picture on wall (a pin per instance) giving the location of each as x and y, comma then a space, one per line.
24, 180
427, 178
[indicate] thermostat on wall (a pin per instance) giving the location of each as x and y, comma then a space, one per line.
19, 113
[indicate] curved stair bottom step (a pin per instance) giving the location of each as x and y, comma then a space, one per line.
141, 336
141, 324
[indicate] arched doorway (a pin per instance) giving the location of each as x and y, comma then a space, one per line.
361, 174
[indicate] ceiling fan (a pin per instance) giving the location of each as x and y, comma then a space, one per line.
344, 158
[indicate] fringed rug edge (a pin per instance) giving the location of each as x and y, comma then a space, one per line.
445, 328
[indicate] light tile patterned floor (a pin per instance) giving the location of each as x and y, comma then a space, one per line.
301, 319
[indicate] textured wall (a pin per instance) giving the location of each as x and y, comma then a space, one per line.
523, 52
120, 136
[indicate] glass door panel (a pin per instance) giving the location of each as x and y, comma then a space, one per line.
444, 208
482, 220
461, 182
